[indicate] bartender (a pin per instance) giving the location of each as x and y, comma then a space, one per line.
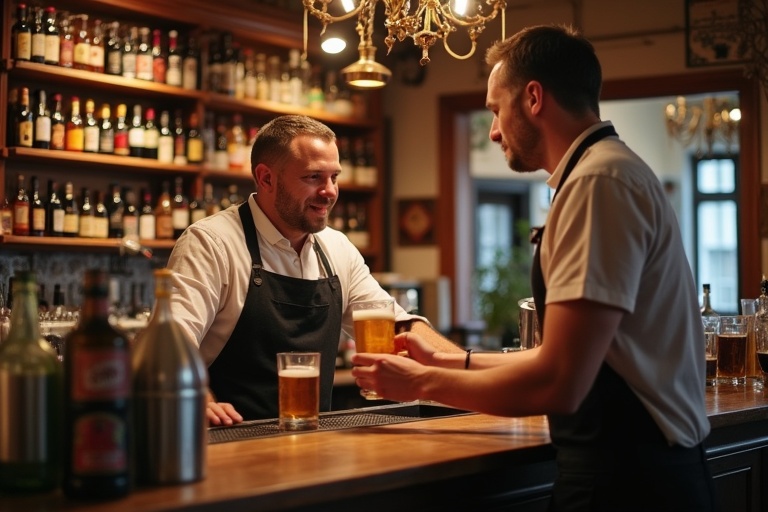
270, 276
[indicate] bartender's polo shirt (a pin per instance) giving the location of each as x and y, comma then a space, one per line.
612, 237
213, 266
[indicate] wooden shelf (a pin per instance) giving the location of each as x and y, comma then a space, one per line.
51, 243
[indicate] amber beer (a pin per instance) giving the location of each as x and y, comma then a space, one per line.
374, 323
732, 349
299, 390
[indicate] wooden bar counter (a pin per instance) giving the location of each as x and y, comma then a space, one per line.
450, 463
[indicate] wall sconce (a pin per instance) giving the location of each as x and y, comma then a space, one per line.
714, 120
426, 23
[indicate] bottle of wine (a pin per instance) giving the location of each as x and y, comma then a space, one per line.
96, 55
114, 50
75, 138
25, 120
168, 375
159, 60
42, 123
115, 210
211, 205
91, 129
58, 125
54, 211
196, 209
761, 330
179, 208
86, 215
71, 211
130, 213
22, 34
151, 135
106, 131
220, 154
173, 72
195, 149
100, 217
190, 65
147, 226
121, 132
37, 215
179, 140
82, 58
66, 42
38, 36
130, 50
236, 143
21, 208
52, 43
97, 387
706, 307
164, 215
165, 140
30, 404
136, 133
144, 56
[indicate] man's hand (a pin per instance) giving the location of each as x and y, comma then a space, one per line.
221, 413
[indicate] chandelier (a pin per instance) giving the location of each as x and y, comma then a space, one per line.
714, 120
428, 22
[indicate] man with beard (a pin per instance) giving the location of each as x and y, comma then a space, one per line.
270, 276
620, 369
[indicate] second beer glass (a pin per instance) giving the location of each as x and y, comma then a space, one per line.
732, 349
374, 330
299, 390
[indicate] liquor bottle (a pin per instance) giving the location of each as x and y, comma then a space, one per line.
159, 60
179, 141
209, 140
21, 32
151, 136
220, 154
164, 215
168, 374
173, 65
54, 211
136, 133
82, 58
66, 42
761, 329
706, 308
144, 56
121, 132
262, 84
74, 140
190, 65
37, 212
195, 149
106, 131
114, 50
71, 211
130, 51
211, 205
86, 215
52, 42
91, 129
58, 125
214, 66
38, 37
97, 51
115, 210
165, 139
236, 143
250, 84
25, 120
21, 208
179, 208
97, 385
130, 214
147, 226
30, 403
42, 123
196, 209
100, 217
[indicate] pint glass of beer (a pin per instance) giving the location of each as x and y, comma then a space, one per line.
298, 376
732, 349
374, 330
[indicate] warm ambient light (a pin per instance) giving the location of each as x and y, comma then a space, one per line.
332, 44
714, 120
426, 23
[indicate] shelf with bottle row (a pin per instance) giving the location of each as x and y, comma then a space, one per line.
54, 243
31, 71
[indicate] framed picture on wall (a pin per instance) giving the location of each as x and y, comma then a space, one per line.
416, 222
713, 34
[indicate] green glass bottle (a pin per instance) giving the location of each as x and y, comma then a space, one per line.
31, 380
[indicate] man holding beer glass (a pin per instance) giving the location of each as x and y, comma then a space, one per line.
270, 276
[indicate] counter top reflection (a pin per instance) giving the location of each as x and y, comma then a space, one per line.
416, 464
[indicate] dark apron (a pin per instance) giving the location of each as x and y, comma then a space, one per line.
280, 314
611, 453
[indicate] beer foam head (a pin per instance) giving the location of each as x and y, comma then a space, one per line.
299, 372
372, 314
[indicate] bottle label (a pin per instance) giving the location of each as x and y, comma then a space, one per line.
57, 221
100, 375
164, 227
147, 227
114, 63
165, 149
130, 225
24, 46
195, 150
57, 136
82, 54
99, 444
71, 223
121, 143
173, 73
91, 139
180, 218
67, 53
144, 67
189, 74
75, 139
43, 129
38, 219
38, 46
25, 134
96, 57
52, 44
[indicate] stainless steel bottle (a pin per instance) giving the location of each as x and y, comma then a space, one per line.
170, 384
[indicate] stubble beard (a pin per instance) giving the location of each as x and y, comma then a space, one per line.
294, 213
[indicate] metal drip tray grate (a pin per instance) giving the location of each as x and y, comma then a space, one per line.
367, 417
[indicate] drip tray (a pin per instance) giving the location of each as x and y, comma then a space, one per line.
338, 420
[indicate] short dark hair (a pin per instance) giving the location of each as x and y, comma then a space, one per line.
272, 144
558, 57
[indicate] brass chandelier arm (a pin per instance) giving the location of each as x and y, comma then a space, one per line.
323, 15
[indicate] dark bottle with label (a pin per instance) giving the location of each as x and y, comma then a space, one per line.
22, 34
130, 213
116, 209
179, 208
114, 50
42, 137
58, 125
121, 146
151, 135
38, 37
21, 208
106, 131
54, 214
86, 214
52, 43
136, 133
26, 121
97, 387
71, 211
37, 215
30, 402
